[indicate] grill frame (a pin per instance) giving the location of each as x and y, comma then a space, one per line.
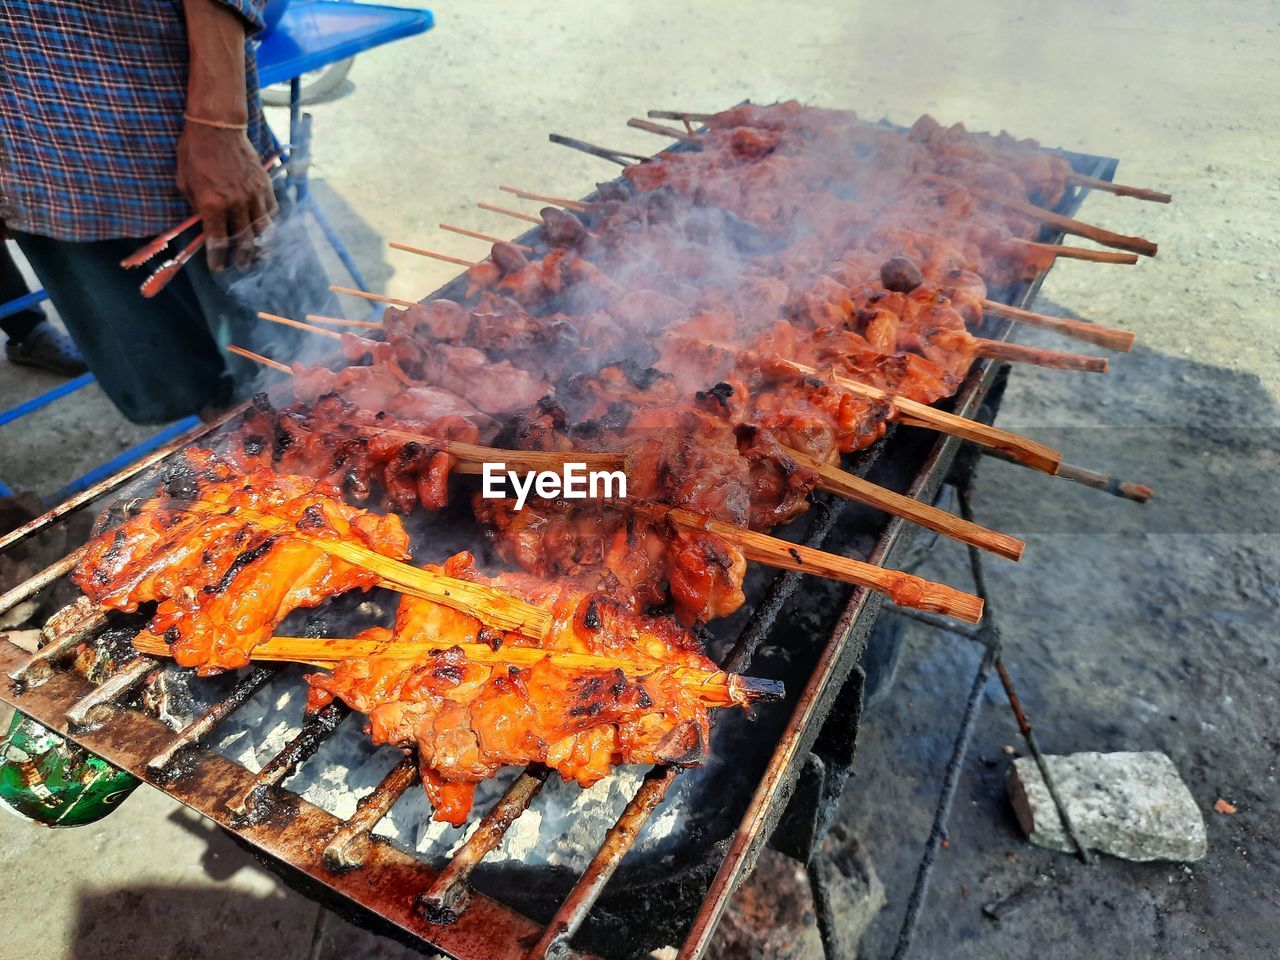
486, 928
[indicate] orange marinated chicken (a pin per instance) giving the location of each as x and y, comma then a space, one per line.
222, 582
468, 719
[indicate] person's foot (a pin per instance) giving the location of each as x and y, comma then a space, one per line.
49, 349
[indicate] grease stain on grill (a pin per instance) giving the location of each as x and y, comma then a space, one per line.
182, 766
268, 805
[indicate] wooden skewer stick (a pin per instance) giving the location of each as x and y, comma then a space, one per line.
510, 213
1019, 449
717, 687
484, 236
1109, 337
299, 325
343, 322
375, 297
842, 483
1138, 492
680, 115
1062, 251
471, 457
486, 604
447, 258
1107, 238
1057, 359
542, 197
259, 358
620, 157
1119, 189
665, 131
905, 589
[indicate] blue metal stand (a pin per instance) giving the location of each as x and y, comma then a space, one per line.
311, 35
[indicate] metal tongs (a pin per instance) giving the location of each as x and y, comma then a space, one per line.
164, 273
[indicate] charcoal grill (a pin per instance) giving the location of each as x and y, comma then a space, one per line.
787, 790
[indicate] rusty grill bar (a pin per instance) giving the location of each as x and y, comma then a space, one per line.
343, 858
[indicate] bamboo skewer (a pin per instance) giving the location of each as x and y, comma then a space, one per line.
490, 606
1119, 189
298, 325
1137, 492
680, 115
471, 459
259, 358
447, 258
1091, 333
375, 297
1056, 359
717, 687
1062, 251
1020, 449
661, 130
621, 157
484, 236
842, 483
1107, 238
904, 589
510, 213
1109, 337
542, 197
343, 322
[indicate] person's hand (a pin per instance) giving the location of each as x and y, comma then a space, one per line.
221, 176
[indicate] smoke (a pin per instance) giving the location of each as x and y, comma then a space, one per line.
288, 279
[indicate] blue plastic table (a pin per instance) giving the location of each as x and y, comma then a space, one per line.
311, 35
315, 33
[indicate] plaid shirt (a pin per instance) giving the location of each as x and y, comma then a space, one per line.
92, 94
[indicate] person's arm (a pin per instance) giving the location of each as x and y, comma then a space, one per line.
219, 171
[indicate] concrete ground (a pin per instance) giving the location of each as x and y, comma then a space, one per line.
1128, 627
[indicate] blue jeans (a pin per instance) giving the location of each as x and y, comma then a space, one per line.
161, 359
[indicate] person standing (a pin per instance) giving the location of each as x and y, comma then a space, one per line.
118, 118
32, 340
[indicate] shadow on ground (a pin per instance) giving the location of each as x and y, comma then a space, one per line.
1128, 627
